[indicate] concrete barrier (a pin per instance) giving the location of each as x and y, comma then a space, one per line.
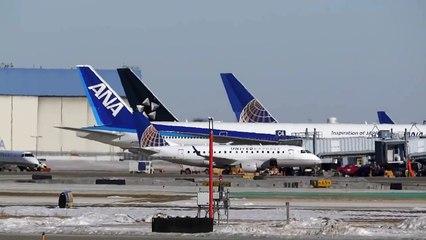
41, 177
396, 186
182, 225
111, 181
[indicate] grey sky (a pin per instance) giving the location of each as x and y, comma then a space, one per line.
304, 60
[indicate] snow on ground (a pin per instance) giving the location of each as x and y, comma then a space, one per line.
246, 218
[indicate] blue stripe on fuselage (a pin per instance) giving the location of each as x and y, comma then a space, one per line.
180, 131
126, 130
220, 132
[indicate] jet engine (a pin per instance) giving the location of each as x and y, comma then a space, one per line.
249, 166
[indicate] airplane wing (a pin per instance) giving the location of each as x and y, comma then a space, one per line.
144, 151
218, 161
93, 131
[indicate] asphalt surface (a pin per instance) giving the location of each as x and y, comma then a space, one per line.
19, 189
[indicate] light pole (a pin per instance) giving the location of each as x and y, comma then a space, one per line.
36, 138
211, 168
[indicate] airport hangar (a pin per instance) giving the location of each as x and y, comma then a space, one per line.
34, 101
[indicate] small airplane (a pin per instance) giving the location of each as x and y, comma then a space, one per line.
250, 157
16, 158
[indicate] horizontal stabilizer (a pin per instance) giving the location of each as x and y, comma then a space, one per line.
101, 132
144, 151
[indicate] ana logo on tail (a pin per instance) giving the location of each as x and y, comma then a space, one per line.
102, 92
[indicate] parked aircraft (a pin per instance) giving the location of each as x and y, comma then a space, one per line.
192, 137
249, 157
16, 158
120, 131
114, 118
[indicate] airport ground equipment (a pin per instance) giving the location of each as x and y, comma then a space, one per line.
111, 181
321, 183
141, 167
221, 204
186, 169
65, 199
182, 224
392, 156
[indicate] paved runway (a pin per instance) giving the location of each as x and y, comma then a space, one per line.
186, 237
257, 207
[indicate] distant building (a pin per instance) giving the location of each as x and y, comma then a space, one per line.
34, 101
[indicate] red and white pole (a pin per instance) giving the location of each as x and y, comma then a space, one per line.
211, 168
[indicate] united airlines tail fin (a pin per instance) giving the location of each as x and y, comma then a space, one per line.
107, 106
384, 118
245, 106
148, 135
152, 106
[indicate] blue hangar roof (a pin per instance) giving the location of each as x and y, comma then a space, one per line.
51, 82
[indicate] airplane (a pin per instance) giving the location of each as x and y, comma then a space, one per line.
114, 118
249, 157
16, 158
198, 136
384, 118
108, 103
246, 107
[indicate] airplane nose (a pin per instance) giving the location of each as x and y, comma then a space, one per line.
317, 159
34, 161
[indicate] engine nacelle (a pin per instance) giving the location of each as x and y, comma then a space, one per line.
249, 166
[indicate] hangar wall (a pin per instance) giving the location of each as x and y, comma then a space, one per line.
28, 123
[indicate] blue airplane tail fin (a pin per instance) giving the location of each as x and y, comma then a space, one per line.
246, 107
108, 107
384, 118
148, 135
153, 108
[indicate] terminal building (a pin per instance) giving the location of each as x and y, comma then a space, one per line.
34, 101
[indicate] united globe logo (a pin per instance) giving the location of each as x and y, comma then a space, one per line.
152, 138
255, 112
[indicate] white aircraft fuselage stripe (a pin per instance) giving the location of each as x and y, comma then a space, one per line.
286, 156
324, 130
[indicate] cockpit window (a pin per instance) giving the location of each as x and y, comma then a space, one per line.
302, 151
27, 155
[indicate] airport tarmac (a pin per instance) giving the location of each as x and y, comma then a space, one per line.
99, 211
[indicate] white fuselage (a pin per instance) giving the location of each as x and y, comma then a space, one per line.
248, 156
18, 158
323, 130
128, 140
